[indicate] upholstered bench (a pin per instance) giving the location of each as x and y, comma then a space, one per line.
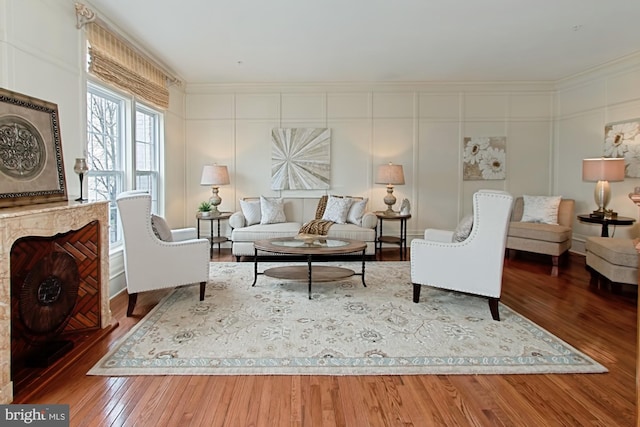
614, 259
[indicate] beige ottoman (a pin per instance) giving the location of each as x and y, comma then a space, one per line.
615, 259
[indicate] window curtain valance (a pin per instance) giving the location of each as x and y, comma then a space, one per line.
111, 59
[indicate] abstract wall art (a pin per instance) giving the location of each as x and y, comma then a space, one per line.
300, 158
622, 140
484, 158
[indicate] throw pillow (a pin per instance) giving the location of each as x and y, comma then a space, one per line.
272, 210
251, 211
542, 209
337, 209
161, 228
356, 211
463, 229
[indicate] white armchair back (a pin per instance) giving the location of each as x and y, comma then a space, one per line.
474, 265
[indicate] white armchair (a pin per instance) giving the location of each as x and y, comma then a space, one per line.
151, 263
473, 265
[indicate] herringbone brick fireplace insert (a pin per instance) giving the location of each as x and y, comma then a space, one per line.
54, 281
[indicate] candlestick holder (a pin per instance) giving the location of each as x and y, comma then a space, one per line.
81, 167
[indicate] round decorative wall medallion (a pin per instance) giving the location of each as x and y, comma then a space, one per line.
22, 149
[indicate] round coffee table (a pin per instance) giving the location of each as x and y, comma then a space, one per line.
309, 248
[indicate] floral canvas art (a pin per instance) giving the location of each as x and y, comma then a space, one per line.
622, 140
484, 158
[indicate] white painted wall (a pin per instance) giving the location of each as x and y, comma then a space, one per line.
550, 127
40, 57
420, 126
584, 105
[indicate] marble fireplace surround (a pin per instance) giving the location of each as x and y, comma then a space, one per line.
45, 220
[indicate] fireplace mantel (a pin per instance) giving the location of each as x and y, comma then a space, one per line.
45, 220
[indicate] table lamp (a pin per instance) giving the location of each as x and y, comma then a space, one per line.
390, 175
603, 171
214, 175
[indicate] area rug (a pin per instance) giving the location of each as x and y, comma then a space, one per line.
346, 328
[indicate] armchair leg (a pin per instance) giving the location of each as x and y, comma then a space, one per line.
493, 306
416, 292
555, 260
132, 303
202, 289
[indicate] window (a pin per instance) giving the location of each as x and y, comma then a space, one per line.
121, 156
146, 154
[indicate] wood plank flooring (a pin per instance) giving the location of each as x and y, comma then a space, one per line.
599, 323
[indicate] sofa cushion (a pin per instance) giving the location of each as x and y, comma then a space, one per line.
337, 209
356, 211
541, 209
265, 231
352, 231
542, 232
271, 210
251, 211
617, 251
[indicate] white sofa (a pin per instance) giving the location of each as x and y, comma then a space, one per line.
298, 211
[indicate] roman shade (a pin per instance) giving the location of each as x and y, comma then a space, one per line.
112, 60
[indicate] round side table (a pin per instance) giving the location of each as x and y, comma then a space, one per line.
217, 239
400, 240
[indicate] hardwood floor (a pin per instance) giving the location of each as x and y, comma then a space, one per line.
601, 324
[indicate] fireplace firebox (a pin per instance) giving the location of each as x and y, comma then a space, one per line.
54, 283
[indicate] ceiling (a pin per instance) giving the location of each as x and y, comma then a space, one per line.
295, 41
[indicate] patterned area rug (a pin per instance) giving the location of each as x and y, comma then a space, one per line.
273, 328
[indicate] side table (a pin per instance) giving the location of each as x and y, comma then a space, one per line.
217, 239
400, 240
604, 221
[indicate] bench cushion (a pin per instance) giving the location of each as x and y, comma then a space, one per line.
616, 251
537, 231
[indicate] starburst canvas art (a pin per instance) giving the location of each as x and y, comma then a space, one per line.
484, 158
622, 140
300, 158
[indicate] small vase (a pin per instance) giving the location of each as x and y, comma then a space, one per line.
206, 214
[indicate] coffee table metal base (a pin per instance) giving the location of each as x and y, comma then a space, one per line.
310, 273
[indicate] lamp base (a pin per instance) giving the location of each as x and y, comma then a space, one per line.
215, 201
389, 200
604, 213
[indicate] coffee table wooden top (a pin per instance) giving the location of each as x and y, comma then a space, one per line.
321, 246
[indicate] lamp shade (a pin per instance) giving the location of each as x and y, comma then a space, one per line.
603, 169
390, 174
214, 175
